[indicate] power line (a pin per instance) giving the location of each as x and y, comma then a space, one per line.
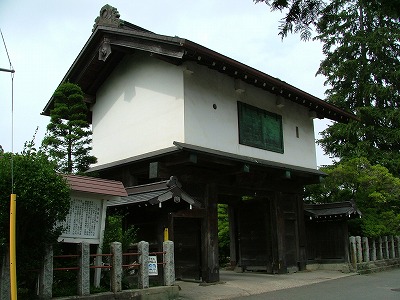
12, 71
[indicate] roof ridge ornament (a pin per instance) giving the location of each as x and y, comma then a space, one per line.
109, 16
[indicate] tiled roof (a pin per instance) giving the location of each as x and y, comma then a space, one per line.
155, 193
96, 185
332, 211
109, 43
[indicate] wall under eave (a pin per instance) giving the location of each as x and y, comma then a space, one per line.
138, 109
218, 128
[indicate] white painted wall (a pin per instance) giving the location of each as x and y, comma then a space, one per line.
218, 128
138, 109
147, 104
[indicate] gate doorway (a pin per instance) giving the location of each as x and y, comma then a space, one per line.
253, 234
187, 239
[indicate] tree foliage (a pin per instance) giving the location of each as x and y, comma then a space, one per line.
114, 232
302, 16
360, 41
68, 136
362, 66
43, 199
375, 191
223, 234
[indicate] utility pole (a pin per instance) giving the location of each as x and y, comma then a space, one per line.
13, 197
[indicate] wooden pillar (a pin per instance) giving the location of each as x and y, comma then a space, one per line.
210, 265
302, 255
277, 236
232, 236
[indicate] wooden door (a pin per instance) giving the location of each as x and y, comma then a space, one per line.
253, 235
187, 239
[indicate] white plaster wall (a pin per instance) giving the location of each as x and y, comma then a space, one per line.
138, 109
218, 128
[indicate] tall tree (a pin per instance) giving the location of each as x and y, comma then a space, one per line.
68, 137
361, 43
43, 200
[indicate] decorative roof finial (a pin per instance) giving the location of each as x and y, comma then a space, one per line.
109, 16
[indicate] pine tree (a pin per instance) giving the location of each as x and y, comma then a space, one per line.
68, 137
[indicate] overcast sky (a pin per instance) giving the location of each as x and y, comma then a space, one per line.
44, 38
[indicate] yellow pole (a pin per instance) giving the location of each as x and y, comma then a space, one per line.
13, 260
165, 234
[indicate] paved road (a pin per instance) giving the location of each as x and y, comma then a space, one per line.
383, 285
248, 283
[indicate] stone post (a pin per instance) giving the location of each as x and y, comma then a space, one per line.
380, 251
84, 271
359, 250
373, 250
365, 249
5, 292
116, 270
392, 253
398, 246
46, 275
353, 252
169, 264
386, 242
143, 249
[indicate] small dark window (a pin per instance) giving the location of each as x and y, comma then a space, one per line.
259, 128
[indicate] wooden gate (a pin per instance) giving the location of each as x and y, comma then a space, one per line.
187, 239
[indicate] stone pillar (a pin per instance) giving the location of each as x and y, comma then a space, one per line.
46, 275
392, 253
373, 250
84, 271
116, 270
353, 252
5, 292
169, 264
380, 251
359, 249
143, 249
397, 238
386, 242
365, 249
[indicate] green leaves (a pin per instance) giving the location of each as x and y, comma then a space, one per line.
375, 191
42, 200
68, 137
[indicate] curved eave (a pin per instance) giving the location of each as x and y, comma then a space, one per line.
89, 72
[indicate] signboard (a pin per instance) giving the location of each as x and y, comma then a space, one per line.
153, 269
84, 221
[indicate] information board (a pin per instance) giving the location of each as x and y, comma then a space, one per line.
83, 221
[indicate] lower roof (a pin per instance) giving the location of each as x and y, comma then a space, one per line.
332, 211
183, 147
155, 193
